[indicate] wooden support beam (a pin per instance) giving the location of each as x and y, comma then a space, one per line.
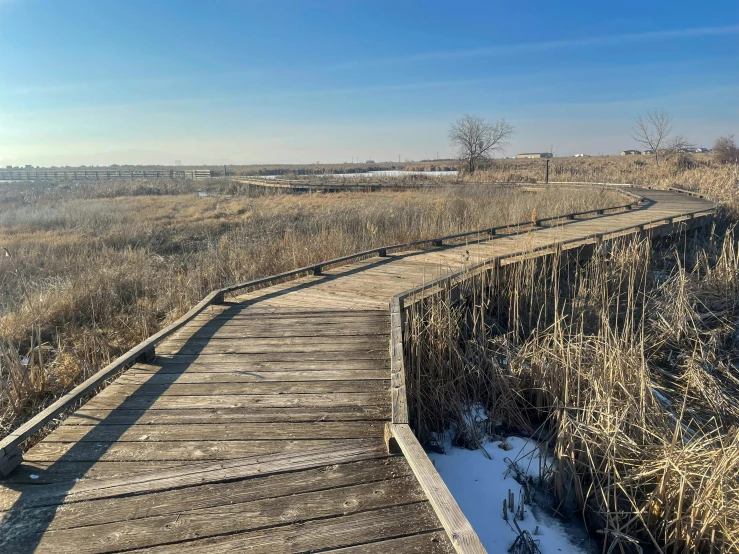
397, 364
390, 443
147, 356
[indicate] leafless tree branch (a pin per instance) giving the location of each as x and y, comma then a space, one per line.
476, 140
652, 130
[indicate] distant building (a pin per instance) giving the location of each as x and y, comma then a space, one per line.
370, 161
702, 150
29, 167
648, 152
582, 155
531, 155
630, 153
9, 167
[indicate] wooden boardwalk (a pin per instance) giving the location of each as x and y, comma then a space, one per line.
259, 427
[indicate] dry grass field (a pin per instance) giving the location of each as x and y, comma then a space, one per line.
92, 270
698, 172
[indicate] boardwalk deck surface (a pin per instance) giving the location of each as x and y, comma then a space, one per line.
259, 426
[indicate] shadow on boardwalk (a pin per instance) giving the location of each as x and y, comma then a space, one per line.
23, 525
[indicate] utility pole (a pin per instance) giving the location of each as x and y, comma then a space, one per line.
547, 179
224, 170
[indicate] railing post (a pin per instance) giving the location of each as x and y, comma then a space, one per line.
147, 356
10, 458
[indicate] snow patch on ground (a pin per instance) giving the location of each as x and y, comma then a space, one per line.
480, 485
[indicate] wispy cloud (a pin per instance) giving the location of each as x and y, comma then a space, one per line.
543, 46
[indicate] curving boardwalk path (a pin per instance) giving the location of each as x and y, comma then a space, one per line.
259, 426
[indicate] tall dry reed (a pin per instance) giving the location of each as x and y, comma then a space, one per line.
623, 363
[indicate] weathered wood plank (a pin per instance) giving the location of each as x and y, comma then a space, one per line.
198, 450
397, 365
131, 386
187, 473
336, 350
433, 542
217, 431
66, 472
198, 497
272, 361
356, 529
282, 343
245, 375
88, 415
137, 402
286, 334
232, 518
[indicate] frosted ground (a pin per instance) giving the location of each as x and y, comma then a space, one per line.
480, 485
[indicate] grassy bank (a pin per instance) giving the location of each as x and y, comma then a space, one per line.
88, 277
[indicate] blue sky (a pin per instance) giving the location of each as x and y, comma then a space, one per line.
270, 81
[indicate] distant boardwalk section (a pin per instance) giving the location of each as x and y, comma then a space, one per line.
98, 174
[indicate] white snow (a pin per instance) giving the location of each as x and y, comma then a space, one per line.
661, 397
480, 485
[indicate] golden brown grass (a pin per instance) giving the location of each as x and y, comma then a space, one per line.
697, 172
87, 279
624, 365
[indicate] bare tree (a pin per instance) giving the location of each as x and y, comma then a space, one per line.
725, 150
652, 130
477, 140
679, 144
